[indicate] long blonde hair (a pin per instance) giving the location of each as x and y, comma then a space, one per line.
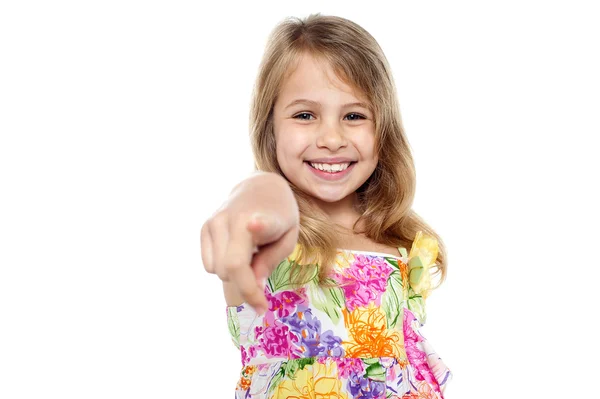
386, 197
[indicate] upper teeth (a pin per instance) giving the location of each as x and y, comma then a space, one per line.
330, 167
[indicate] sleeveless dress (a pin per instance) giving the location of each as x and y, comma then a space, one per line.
358, 340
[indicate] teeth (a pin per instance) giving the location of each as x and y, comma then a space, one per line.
335, 167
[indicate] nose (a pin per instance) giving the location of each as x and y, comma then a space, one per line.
331, 135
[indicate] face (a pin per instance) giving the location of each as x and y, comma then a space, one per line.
325, 142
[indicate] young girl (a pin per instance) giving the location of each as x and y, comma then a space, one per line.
325, 267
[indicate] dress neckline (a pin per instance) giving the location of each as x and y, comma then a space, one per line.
380, 254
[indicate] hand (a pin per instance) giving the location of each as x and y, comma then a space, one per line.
245, 240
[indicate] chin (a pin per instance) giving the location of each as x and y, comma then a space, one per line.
329, 197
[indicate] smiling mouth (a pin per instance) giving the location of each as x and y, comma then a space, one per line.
332, 171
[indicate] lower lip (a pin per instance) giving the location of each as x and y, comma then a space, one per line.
331, 176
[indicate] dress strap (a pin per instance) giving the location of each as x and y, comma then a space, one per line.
403, 252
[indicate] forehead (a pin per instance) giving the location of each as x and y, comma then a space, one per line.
314, 78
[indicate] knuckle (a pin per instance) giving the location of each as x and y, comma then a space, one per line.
223, 275
234, 266
240, 222
219, 216
205, 228
207, 267
204, 252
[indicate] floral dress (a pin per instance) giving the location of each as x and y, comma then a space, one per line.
358, 340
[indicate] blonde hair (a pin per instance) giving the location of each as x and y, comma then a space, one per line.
386, 197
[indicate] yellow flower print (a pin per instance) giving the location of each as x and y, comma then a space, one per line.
344, 260
421, 258
369, 336
316, 381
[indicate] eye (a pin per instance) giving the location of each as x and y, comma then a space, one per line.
356, 115
302, 113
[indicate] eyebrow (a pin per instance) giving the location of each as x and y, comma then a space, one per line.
317, 104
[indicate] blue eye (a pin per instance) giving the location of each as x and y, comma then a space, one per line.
356, 116
303, 113
359, 115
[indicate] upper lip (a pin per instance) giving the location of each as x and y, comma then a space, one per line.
331, 160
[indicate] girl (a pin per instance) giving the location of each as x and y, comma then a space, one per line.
325, 267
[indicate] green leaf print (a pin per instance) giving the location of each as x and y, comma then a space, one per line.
415, 265
416, 304
327, 300
233, 324
280, 276
370, 360
375, 372
280, 279
392, 298
275, 380
293, 365
393, 262
288, 369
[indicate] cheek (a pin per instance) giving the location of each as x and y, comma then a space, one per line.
291, 144
366, 145
285, 155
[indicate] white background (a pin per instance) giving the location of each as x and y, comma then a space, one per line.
124, 125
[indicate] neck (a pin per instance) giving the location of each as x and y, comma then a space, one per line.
342, 214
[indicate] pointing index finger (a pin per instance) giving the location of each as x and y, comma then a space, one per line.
240, 250
249, 289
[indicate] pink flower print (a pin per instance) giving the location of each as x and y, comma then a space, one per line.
248, 354
276, 340
357, 295
417, 357
284, 302
245, 357
364, 281
347, 365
